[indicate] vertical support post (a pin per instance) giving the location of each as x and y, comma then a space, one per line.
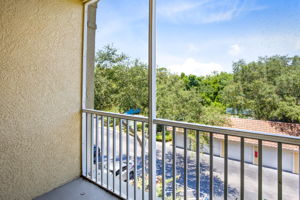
83, 145
97, 147
185, 164
135, 160
242, 168
163, 163
127, 158
87, 145
152, 97
197, 165
211, 165
102, 149
83, 97
92, 146
260, 192
90, 54
279, 171
114, 152
120, 156
225, 167
107, 151
87, 94
174, 162
143, 161
88, 57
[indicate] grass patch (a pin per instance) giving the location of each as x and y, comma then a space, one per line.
168, 136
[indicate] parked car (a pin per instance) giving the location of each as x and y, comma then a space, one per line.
118, 172
99, 158
99, 154
123, 172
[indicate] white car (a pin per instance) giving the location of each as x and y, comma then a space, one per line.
124, 170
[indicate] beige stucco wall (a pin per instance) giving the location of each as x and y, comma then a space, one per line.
40, 95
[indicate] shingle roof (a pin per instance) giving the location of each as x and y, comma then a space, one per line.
282, 128
292, 129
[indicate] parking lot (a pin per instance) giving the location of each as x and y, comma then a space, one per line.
290, 181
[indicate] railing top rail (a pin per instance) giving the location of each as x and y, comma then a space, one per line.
117, 115
285, 139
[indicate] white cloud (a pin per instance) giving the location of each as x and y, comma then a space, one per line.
205, 11
173, 8
234, 50
192, 48
192, 66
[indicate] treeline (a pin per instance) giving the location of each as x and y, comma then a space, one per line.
121, 84
269, 88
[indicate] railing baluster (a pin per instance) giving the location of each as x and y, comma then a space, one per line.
107, 151
185, 164
174, 162
163, 162
135, 160
97, 147
120, 157
259, 169
299, 171
84, 148
127, 158
83, 143
92, 146
242, 168
143, 161
225, 167
211, 165
197, 165
279, 178
102, 149
114, 152
87, 145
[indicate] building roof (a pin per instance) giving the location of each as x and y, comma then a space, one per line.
292, 129
282, 128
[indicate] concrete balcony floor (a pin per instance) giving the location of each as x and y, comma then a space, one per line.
79, 189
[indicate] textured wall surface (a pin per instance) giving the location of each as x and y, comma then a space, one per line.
40, 100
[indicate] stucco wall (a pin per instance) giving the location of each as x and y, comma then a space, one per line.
40, 100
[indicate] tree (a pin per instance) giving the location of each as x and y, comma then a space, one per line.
121, 84
270, 88
209, 87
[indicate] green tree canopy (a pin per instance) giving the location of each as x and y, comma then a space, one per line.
270, 88
121, 84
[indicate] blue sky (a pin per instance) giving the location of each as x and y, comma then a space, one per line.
202, 36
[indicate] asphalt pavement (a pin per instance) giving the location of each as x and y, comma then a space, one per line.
290, 181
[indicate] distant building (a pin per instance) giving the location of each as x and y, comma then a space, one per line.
234, 111
290, 159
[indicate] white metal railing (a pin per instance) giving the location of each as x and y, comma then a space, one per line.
110, 143
104, 148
